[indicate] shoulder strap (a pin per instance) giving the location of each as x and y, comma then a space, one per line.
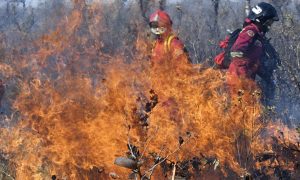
168, 42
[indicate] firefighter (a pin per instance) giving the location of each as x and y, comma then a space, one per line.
167, 45
168, 56
247, 51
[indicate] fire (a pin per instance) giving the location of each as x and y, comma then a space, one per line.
78, 110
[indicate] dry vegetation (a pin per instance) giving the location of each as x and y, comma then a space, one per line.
79, 88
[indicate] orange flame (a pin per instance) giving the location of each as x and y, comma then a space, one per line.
81, 112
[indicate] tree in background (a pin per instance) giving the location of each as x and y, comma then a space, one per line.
247, 7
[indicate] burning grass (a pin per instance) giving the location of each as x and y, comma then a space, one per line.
79, 110
68, 124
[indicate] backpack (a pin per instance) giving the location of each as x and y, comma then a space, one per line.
223, 59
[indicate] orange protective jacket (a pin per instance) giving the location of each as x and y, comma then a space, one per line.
170, 48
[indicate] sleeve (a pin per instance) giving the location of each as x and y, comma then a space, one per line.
244, 40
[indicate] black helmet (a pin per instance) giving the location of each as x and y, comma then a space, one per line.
263, 12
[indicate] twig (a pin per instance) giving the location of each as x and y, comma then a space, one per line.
164, 159
130, 148
297, 53
129, 145
287, 146
174, 171
8, 175
148, 142
237, 146
131, 151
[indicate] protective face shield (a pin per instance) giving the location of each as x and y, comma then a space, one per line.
155, 29
158, 31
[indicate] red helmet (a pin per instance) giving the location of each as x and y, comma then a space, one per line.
160, 19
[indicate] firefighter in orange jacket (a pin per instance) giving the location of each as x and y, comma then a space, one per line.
168, 53
167, 46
